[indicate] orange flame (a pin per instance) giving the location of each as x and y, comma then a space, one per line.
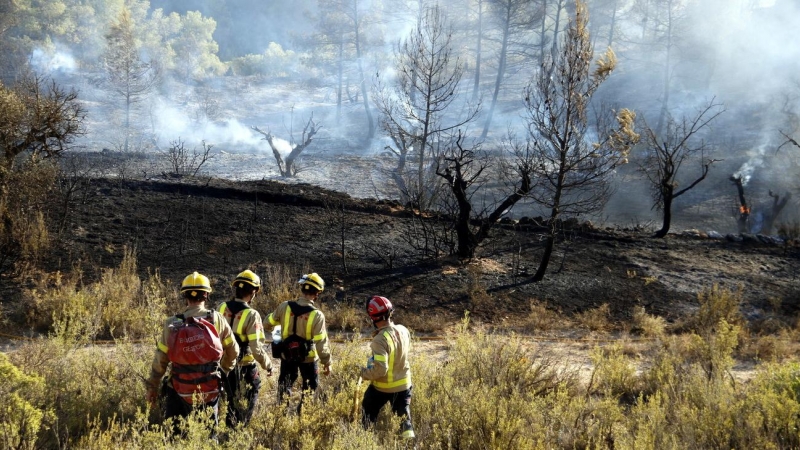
744, 210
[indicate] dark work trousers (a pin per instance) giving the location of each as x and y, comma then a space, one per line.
288, 375
374, 400
242, 384
175, 407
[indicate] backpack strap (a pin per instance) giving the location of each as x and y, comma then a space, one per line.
298, 310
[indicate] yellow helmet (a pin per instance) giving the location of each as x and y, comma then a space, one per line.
313, 280
247, 277
196, 282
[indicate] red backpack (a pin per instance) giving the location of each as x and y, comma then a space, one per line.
195, 351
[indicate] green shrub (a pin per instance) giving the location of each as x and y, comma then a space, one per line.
119, 304
24, 409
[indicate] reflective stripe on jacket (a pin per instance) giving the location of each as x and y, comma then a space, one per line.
247, 326
229, 345
311, 326
391, 369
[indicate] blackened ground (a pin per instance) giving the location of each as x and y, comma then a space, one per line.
221, 227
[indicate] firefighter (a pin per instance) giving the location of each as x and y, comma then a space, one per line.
302, 319
243, 383
388, 368
195, 290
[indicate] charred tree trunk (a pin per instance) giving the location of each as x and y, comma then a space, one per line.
501, 68
778, 204
548, 252
667, 219
744, 210
477, 82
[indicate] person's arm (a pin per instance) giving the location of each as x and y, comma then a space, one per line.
274, 319
320, 338
159, 365
380, 356
229, 345
257, 340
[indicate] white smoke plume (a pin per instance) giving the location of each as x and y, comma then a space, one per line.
755, 161
48, 61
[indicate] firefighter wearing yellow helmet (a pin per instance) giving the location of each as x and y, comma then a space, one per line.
244, 382
304, 338
211, 330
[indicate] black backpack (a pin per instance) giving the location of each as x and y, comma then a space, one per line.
235, 308
294, 348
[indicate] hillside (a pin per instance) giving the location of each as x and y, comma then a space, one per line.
220, 227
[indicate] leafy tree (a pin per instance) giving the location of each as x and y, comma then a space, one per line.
414, 110
38, 121
196, 46
666, 153
572, 174
127, 76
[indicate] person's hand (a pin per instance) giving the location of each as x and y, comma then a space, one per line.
152, 396
326, 370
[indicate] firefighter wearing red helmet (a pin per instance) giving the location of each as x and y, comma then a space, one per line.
388, 369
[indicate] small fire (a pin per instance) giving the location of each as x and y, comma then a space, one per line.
744, 210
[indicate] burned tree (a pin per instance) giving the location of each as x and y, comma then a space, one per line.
573, 174
287, 167
778, 204
462, 168
413, 112
666, 154
744, 210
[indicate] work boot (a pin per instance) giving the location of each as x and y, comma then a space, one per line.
407, 431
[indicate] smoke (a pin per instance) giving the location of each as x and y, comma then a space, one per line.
171, 122
48, 61
755, 161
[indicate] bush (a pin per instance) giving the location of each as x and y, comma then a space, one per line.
24, 411
119, 304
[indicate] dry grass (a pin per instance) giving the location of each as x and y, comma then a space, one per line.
484, 391
542, 319
596, 319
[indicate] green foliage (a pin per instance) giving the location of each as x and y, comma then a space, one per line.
490, 391
717, 304
24, 408
274, 62
118, 304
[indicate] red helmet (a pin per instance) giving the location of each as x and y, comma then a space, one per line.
379, 308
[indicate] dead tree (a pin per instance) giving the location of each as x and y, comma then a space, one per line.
417, 112
778, 203
666, 153
288, 167
744, 210
573, 173
462, 168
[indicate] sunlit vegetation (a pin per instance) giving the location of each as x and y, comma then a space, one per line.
488, 390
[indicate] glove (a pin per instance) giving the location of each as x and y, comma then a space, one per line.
326, 370
151, 397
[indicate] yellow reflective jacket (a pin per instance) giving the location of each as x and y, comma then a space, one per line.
247, 326
391, 368
310, 326
229, 346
